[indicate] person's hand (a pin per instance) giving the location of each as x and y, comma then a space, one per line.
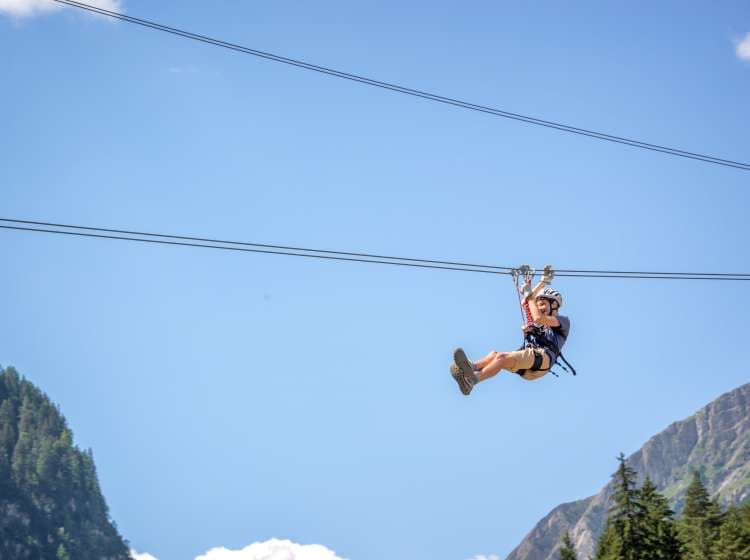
548, 275
527, 328
526, 290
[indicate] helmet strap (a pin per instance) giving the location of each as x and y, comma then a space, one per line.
552, 304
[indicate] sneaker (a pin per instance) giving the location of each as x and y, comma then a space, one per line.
464, 383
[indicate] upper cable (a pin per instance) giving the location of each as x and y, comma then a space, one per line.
410, 91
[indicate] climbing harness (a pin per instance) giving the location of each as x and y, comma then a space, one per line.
522, 277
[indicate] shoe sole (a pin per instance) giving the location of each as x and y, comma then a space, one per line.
459, 379
463, 363
461, 371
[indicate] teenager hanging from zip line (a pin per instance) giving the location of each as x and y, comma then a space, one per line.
545, 333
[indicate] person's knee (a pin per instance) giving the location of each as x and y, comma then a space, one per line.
510, 361
503, 359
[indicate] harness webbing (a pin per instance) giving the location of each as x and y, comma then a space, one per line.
532, 339
571, 370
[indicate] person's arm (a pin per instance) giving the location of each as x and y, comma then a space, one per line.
537, 290
546, 320
528, 294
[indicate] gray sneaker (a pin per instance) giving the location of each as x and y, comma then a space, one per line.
464, 383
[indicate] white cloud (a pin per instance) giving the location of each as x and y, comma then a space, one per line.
274, 549
28, 8
743, 48
141, 556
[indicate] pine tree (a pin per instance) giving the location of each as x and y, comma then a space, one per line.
609, 545
624, 535
699, 524
734, 538
659, 528
567, 552
744, 513
8, 421
627, 512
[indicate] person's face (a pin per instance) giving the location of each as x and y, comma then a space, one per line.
543, 305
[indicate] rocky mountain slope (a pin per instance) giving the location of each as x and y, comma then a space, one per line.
715, 440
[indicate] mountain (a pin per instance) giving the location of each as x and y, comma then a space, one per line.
51, 507
715, 441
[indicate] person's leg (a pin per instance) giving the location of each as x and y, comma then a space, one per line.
499, 362
511, 361
532, 375
484, 362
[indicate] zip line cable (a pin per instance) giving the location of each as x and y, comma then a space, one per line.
260, 245
200, 242
350, 254
246, 250
409, 91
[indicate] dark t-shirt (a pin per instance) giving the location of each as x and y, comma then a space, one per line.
553, 338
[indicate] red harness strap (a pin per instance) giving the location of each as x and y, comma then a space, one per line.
527, 273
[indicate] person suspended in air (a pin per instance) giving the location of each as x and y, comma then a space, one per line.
545, 333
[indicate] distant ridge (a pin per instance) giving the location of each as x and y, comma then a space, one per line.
715, 440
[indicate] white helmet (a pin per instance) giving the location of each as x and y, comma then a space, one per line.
553, 295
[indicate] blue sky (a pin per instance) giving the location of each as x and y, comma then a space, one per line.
231, 399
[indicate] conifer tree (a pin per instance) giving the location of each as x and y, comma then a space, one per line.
699, 524
734, 538
744, 513
609, 545
627, 512
7, 426
567, 552
659, 528
624, 536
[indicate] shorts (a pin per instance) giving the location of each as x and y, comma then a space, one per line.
524, 359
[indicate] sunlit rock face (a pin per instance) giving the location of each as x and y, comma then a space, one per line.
715, 441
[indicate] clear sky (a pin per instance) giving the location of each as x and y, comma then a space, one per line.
231, 398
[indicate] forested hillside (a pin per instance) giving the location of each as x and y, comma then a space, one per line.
51, 506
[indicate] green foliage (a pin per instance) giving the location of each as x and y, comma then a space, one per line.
700, 521
609, 546
51, 506
641, 525
734, 537
660, 540
62, 554
626, 521
567, 552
